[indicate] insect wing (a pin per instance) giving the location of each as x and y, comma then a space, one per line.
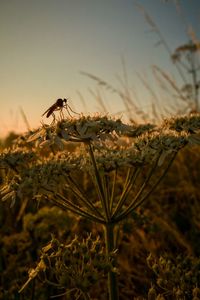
50, 110
46, 111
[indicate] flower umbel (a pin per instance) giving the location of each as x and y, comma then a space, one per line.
74, 267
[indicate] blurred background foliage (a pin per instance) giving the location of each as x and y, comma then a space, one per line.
159, 244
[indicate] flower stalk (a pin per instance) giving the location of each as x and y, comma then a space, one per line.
110, 246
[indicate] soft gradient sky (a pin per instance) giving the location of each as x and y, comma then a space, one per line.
46, 43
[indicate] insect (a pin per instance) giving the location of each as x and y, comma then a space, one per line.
58, 106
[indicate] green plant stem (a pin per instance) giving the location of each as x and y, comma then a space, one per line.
156, 183
136, 203
80, 195
105, 185
98, 181
142, 188
66, 205
130, 180
113, 190
112, 277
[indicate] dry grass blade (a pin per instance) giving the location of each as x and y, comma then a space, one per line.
171, 82
99, 99
161, 39
130, 107
100, 82
82, 100
25, 119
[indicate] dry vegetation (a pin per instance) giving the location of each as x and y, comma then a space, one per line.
82, 202
84, 212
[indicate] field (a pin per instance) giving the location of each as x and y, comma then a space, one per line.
93, 208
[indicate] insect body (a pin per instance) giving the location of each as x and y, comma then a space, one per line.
58, 105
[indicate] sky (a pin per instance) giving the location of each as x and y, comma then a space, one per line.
46, 44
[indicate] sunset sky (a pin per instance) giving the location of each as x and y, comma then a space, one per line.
45, 44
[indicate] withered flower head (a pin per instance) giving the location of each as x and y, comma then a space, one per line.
78, 265
83, 129
188, 123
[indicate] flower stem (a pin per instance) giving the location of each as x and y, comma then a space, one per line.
98, 181
112, 277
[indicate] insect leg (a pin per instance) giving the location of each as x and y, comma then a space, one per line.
54, 118
73, 110
68, 111
61, 113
